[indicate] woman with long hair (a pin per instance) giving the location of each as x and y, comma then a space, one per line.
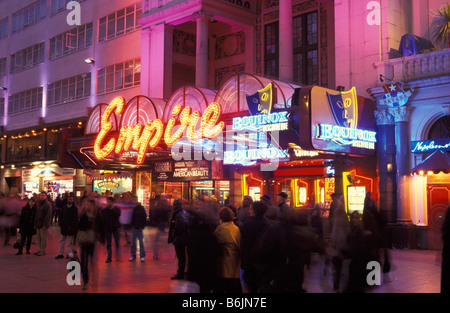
26, 225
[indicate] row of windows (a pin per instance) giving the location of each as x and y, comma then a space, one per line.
111, 78
71, 41
27, 58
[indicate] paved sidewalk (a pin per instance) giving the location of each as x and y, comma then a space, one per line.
414, 271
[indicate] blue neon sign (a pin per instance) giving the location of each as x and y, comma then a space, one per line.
430, 145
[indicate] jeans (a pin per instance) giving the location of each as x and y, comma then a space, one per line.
137, 234
109, 235
86, 251
62, 243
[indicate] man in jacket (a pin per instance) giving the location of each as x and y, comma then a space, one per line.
42, 222
110, 218
138, 222
68, 222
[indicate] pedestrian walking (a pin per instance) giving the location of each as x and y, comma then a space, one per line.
285, 210
110, 215
251, 231
138, 222
445, 269
68, 223
272, 211
229, 239
179, 236
160, 219
42, 222
89, 230
26, 225
243, 212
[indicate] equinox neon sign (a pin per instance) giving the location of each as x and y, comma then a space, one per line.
275, 121
347, 136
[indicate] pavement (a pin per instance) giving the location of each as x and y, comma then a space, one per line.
413, 271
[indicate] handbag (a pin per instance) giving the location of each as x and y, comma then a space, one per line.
18, 242
86, 237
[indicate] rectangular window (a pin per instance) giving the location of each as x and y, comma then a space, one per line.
2, 67
71, 41
27, 58
119, 23
69, 89
4, 28
271, 50
306, 60
2, 107
60, 5
119, 76
25, 101
29, 15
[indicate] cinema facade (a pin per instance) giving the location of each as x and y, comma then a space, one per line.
253, 136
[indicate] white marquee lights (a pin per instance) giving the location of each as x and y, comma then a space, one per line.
357, 138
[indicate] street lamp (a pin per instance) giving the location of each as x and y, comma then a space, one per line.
3, 88
89, 61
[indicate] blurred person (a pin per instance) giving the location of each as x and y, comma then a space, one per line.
243, 212
284, 209
160, 218
89, 230
138, 223
110, 215
42, 222
26, 225
251, 231
272, 211
179, 236
229, 239
68, 223
203, 248
340, 248
445, 269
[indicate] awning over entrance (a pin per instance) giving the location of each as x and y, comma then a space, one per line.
436, 162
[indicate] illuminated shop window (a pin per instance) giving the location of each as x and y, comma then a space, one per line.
119, 23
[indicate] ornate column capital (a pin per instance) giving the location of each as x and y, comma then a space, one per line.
401, 114
383, 117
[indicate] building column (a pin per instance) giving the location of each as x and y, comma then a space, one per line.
403, 161
201, 57
286, 57
387, 184
156, 61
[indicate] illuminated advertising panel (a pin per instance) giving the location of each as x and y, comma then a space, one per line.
337, 122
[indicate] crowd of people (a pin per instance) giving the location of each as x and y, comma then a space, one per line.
258, 247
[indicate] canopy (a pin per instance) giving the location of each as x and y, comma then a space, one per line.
438, 161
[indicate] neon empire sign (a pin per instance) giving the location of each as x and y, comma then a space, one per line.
142, 137
347, 136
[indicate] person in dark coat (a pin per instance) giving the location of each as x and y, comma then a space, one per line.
445, 269
42, 222
250, 233
138, 223
68, 223
111, 225
179, 236
26, 225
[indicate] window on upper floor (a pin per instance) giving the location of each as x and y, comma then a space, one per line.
60, 5
2, 107
4, 28
29, 15
119, 76
24, 101
271, 49
27, 58
306, 56
119, 23
71, 41
69, 89
2, 67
